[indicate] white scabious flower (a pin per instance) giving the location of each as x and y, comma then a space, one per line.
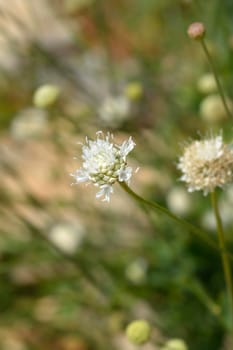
207, 164
104, 163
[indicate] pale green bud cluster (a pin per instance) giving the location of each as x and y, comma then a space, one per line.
175, 344
108, 174
133, 90
138, 332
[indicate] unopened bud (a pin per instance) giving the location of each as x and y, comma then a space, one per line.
134, 90
212, 108
196, 31
138, 332
175, 344
46, 95
207, 84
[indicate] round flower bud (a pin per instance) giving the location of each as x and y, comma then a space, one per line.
133, 90
175, 344
207, 84
196, 31
212, 108
46, 95
138, 332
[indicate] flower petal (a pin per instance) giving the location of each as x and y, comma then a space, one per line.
106, 191
125, 174
80, 175
127, 147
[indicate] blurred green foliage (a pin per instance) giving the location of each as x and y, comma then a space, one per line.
73, 271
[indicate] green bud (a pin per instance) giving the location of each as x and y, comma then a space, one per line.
46, 95
175, 344
134, 90
138, 332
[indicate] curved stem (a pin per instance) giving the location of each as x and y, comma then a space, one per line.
224, 256
190, 227
220, 90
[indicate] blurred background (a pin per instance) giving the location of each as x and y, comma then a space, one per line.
74, 271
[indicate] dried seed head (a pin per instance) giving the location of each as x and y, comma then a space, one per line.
207, 164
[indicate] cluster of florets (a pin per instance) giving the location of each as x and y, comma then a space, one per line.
104, 163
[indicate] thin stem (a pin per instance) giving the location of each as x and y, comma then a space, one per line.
224, 256
169, 214
195, 287
175, 218
214, 70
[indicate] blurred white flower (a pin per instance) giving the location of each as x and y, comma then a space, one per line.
29, 123
67, 236
208, 220
114, 110
206, 164
136, 271
179, 201
104, 163
212, 108
207, 84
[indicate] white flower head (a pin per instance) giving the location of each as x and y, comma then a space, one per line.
104, 163
207, 164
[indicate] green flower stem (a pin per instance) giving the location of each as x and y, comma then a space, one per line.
224, 255
195, 230
220, 90
195, 287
